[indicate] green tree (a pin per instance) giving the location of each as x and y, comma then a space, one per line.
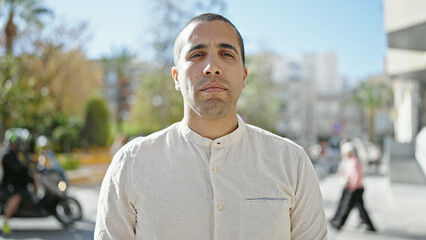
260, 94
11, 89
96, 128
28, 11
52, 79
65, 138
64, 76
372, 94
147, 109
64, 132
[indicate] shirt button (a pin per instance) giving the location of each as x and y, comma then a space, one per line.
214, 169
219, 207
207, 143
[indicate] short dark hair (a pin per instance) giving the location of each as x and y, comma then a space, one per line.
209, 17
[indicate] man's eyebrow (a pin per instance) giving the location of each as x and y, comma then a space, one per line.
197, 47
228, 46
220, 45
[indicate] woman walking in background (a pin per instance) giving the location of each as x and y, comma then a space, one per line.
353, 190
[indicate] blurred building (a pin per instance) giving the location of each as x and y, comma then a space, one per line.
311, 89
338, 116
298, 119
317, 105
405, 64
319, 69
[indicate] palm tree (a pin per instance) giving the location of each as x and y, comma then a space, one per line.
119, 62
371, 95
30, 11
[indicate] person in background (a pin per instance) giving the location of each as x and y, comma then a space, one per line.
353, 190
16, 176
210, 176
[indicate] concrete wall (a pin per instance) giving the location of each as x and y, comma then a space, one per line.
403, 166
421, 149
403, 13
401, 61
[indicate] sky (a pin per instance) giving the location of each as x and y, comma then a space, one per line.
352, 29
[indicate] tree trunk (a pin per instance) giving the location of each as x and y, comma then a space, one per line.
10, 31
371, 130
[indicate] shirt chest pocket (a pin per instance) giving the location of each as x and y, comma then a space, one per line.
266, 217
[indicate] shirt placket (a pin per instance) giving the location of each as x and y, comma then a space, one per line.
219, 207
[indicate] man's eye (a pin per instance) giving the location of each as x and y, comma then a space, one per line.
228, 54
196, 55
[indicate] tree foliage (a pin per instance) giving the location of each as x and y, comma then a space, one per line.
30, 12
372, 94
148, 108
96, 127
17, 95
50, 78
259, 103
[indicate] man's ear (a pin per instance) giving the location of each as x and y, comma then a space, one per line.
245, 76
175, 78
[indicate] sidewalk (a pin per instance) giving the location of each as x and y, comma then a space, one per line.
397, 210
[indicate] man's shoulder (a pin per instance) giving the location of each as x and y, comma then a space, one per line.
153, 138
271, 138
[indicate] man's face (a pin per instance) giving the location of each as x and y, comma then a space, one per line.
209, 71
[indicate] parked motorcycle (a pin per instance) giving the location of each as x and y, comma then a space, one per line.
52, 196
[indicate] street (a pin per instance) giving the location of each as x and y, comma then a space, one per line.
50, 229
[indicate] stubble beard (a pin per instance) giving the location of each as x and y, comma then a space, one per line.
214, 108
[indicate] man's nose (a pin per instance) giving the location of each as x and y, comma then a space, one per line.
212, 68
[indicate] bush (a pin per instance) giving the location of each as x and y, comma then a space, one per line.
65, 138
96, 129
68, 161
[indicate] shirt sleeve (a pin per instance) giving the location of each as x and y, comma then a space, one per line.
307, 216
116, 215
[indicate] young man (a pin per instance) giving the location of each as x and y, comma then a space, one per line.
210, 176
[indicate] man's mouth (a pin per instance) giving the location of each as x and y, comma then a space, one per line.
213, 87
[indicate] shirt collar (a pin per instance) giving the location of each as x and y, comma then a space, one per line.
223, 141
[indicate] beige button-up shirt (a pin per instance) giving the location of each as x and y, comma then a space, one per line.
176, 184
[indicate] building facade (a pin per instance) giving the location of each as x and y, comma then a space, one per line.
405, 24
310, 88
405, 64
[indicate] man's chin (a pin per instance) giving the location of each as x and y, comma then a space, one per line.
214, 109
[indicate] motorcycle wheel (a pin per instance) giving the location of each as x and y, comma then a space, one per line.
68, 211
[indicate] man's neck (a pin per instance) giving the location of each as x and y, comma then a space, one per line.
212, 128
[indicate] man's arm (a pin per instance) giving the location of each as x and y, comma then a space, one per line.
116, 215
307, 216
